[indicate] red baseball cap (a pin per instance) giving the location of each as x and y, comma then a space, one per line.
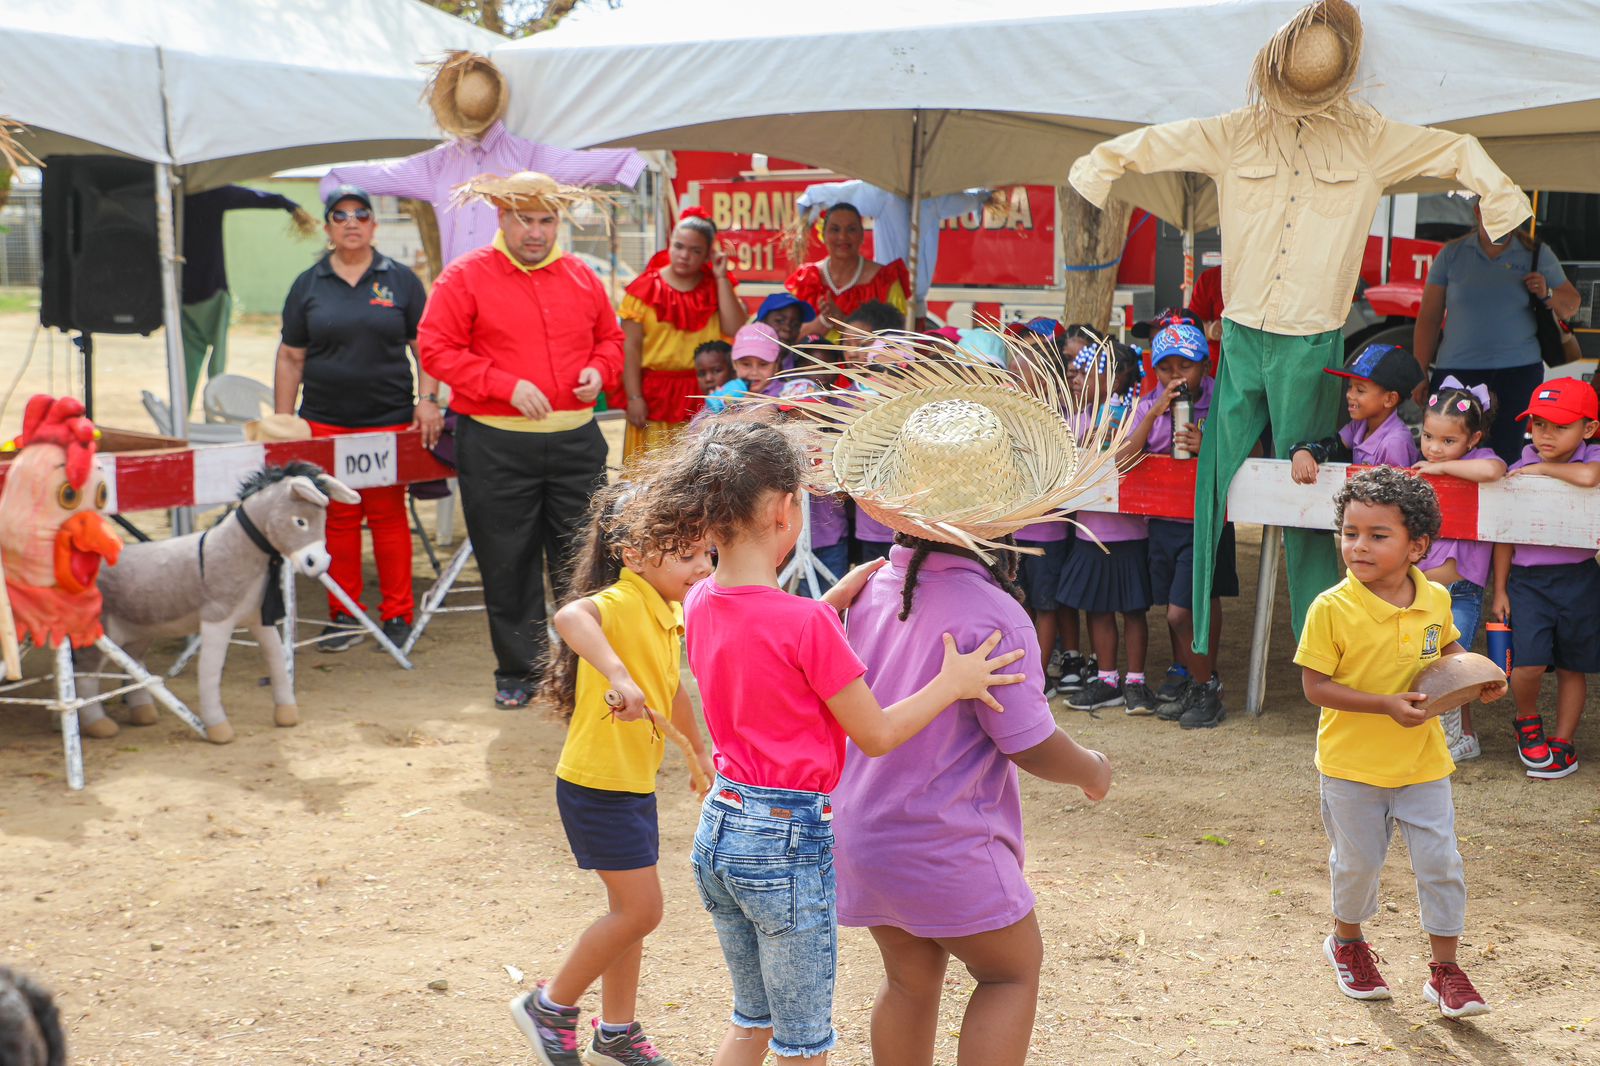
1564, 401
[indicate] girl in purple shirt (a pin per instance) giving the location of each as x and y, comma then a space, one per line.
1110, 577
1453, 427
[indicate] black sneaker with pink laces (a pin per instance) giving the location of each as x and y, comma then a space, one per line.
553, 1033
1355, 967
1449, 988
627, 1048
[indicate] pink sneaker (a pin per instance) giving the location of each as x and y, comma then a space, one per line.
1449, 988
1355, 966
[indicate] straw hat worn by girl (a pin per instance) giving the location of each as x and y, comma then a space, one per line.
467, 94
944, 446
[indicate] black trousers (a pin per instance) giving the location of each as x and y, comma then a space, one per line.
1513, 387
524, 496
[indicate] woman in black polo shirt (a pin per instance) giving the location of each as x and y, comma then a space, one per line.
347, 323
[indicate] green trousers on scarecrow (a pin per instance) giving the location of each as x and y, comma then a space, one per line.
1265, 373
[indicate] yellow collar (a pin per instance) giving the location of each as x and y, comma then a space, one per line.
505, 250
1381, 609
667, 615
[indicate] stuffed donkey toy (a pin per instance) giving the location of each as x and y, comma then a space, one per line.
214, 581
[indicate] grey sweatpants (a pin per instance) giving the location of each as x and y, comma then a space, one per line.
1360, 819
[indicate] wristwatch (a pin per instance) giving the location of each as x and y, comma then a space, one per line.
429, 397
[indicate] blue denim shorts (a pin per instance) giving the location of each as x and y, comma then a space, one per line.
1466, 609
763, 862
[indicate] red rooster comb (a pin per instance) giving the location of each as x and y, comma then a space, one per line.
60, 420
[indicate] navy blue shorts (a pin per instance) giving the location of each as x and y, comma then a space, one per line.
1040, 575
1092, 580
1172, 563
1555, 616
609, 830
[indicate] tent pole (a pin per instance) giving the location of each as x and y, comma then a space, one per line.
171, 322
1188, 238
914, 188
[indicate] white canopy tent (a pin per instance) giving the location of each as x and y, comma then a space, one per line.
214, 90
926, 98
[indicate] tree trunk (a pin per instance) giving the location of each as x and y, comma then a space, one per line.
1090, 237
421, 213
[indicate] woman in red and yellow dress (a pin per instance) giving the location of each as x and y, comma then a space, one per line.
684, 298
845, 279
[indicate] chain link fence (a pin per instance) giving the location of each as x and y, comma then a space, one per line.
20, 238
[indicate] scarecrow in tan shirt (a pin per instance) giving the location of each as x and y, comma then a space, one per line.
1299, 171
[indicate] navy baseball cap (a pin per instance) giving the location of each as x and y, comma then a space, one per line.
1181, 339
345, 192
1387, 366
778, 301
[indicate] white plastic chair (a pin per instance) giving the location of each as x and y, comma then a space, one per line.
199, 432
235, 398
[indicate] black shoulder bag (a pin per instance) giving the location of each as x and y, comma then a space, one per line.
1552, 344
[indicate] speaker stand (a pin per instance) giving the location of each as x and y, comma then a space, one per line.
84, 342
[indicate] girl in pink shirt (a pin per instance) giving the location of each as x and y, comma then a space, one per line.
780, 691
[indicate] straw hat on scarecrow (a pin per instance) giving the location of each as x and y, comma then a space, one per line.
1308, 66
467, 94
13, 156
944, 446
528, 191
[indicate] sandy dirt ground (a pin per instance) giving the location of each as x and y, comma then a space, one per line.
356, 890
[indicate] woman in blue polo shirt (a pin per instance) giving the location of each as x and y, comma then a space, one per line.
347, 323
1490, 337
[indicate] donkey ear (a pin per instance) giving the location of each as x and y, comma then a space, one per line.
339, 490
307, 490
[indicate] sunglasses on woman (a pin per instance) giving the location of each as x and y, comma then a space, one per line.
360, 214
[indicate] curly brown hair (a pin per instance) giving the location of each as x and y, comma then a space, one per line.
710, 485
1386, 486
597, 566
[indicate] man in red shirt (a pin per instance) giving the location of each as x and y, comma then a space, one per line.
526, 338
1207, 303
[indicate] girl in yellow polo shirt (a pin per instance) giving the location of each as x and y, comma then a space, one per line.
621, 632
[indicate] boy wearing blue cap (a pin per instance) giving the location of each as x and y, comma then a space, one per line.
1381, 377
785, 314
1171, 421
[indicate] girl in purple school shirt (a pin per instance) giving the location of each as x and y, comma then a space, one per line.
1040, 574
929, 846
1105, 582
1453, 431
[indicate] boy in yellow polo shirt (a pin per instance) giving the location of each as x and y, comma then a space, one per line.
1382, 755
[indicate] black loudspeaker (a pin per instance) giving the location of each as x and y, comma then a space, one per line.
101, 269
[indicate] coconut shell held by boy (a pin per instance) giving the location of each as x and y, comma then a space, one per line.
1456, 681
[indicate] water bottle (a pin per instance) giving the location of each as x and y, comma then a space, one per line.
1116, 411
1181, 411
1497, 635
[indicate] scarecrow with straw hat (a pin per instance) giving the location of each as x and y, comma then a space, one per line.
526, 338
468, 96
1299, 171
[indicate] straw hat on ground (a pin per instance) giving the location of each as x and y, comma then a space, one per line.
1308, 66
527, 191
467, 94
945, 446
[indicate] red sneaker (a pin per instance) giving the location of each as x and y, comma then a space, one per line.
1563, 761
1532, 747
1355, 966
1449, 988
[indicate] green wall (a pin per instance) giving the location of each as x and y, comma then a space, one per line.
264, 254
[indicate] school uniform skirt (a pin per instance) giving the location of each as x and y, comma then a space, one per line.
1092, 580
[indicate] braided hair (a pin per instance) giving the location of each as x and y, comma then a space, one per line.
1003, 568
598, 566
